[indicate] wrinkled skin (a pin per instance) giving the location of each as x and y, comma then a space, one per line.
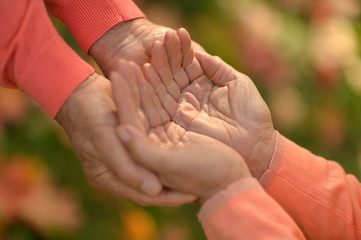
89, 118
205, 95
91, 126
185, 161
131, 40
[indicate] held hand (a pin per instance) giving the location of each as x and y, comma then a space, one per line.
196, 164
218, 101
90, 120
185, 161
131, 40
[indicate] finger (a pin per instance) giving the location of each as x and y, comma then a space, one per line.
126, 104
190, 64
144, 151
174, 51
175, 58
159, 60
147, 100
168, 103
197, 47
186, 44
215, 69
194, 70
110, 150
165, 198
127, 70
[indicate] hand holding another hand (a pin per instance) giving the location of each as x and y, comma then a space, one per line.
186, 162
90, 119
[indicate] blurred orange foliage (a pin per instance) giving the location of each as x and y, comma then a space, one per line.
138, 225
13, 107
28, 194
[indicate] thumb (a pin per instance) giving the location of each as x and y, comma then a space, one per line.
215, 68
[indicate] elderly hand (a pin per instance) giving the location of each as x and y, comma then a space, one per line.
89, 117
212, 99
185, 161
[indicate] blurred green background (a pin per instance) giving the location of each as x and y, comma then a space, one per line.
303, 55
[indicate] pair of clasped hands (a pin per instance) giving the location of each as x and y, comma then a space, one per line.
188, 126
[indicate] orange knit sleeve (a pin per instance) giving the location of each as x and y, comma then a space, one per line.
321, 198
245, 211
88, 20
34, 58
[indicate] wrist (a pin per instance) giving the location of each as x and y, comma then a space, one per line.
262, 154
72, 104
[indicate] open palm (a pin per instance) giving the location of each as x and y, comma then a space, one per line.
217, 100
185, 161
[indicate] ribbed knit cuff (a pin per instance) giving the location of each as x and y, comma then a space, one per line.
225, 195
53, 75
274, 165
88, 20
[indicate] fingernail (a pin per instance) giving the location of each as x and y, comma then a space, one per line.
123, 134
150, 187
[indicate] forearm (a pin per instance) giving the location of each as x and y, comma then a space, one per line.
244, 209
35, 58
88, 20
316, 193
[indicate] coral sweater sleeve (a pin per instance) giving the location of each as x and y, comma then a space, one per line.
245, 211
316, 193
34, 58
88, 20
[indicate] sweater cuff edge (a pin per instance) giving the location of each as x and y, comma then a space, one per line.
221, 197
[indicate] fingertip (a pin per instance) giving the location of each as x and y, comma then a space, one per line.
149, 72
170, 34
145, 69
198, 53
184, 35
146, 65
218, 58
167, 34
123, 133
201, 53
121, 64
183, 31
114, 76
203, 57
128, 132
132, 64
151, 187
156, 44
